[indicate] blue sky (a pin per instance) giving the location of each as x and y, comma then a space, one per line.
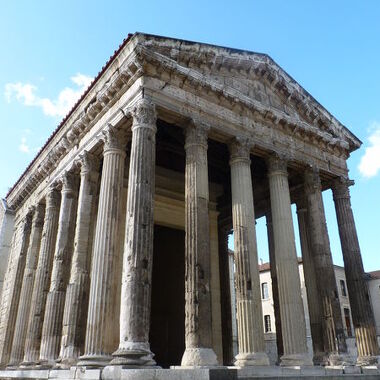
51, 49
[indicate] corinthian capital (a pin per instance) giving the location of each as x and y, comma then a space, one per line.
112, 139
69, 182
144, 114
277, 163
240, 148
196, 133
89, 162
52, 196
341, 187
312, 180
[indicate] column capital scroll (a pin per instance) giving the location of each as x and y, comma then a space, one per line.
312, 180
88, 162
240, 148
144, 114
112, 139
69, 181
277, 162
341, 187
196, 133
52, 196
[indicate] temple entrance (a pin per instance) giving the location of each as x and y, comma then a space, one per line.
167, 326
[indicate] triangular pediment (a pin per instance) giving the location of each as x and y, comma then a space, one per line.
252, 76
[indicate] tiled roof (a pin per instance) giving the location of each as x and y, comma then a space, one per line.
375, 274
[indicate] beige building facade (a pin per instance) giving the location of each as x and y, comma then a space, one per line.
269, 322
119, 251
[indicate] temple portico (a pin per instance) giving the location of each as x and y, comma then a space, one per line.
122, 218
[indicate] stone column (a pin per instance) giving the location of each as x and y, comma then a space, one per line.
76, 303
361, 310
332, 327
314, 301
289, 289
21, 325
225, 293
247, 279
55, 301
42, 280
99, 332
11, 291
198, 324
134, 348
273, 274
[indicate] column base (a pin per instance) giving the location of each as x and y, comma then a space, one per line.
94, 361
293, 360
199, 357
251, 359
368, 361
134, 355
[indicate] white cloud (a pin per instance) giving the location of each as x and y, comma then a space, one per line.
369, 164
24, 147
26, 94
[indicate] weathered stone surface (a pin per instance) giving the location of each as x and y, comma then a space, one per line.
76, 304
52, 327
21, 325
99, 331
134, 348
11, 291
248, 297
291, 307
42, 279
362, 315
198, 328
327, 296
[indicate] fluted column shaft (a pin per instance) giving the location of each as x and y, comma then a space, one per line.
225, 293
333, 332
247, 280
55, 301
21, 325
273, 274
77, 293
362, 314
290, 300
134, 348
12, 286
314, 301
99, 332
42, 280
198, 324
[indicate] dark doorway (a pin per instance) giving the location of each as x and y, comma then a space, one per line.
167, 326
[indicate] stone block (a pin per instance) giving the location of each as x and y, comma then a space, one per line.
88, 373
253, 371
334, 371
313, 371
62, 373
25, 374
116, 372
352, 370
291, 371
371, 370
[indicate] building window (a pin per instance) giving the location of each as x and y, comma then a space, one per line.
267, 325
343, 288
264, 291
347, 320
